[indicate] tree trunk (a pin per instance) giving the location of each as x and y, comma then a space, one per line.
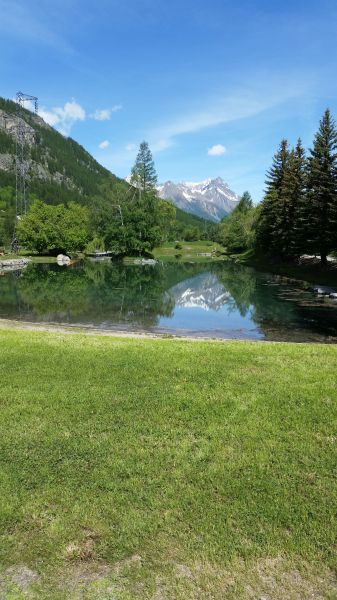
324, 261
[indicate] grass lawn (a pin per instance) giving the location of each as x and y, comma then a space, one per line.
189, 251
165, 469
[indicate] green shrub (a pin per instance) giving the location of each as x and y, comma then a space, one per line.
95, 245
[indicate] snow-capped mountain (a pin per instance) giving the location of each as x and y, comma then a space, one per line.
211, 199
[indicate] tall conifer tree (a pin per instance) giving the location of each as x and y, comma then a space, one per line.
275, 175
322, 190
290, 225
267, 234
143, 174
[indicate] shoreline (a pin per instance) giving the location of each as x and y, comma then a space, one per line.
12, 324
115, 333
54, 328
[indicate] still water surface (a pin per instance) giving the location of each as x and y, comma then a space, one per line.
220, 300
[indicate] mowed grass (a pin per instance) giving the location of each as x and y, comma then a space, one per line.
189, 251
166, 469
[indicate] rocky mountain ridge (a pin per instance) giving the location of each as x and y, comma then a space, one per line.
201, 291
210, 199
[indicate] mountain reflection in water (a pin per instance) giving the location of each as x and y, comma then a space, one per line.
201, 291
222, 300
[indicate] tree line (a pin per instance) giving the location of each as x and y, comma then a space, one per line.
298, 214
121, 220
125, 219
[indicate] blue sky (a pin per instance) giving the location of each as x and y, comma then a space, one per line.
212, 85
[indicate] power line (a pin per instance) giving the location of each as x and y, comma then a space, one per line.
21, 158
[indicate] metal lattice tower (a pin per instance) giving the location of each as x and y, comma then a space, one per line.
21, 158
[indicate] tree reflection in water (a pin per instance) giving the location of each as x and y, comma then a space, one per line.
112, 294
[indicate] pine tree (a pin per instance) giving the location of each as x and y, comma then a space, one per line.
274, 179
268, 226
322, 190
143, 174
245, 204
290, 225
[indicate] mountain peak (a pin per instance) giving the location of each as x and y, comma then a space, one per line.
210, 199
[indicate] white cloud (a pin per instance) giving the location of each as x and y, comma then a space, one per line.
104, 114
50, 117
28, 104
130, 147
216, 150
161, 144
104, 144
63, 118
101, 115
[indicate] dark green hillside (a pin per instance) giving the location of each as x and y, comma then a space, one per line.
191, 227
190, 219
69, 171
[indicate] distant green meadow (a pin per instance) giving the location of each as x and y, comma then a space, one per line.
162, 469
197, 251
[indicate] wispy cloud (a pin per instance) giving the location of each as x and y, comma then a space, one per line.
242, 104
216, 150
103, 145
20, 20
261, 95
63, 118
104, 114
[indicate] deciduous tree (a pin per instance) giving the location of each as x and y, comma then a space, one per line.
54, 229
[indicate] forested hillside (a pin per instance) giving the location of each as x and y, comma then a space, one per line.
61, 171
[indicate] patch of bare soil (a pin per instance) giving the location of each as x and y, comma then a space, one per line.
18, 577
265, 579
274, 578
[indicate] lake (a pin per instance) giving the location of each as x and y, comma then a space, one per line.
215, 300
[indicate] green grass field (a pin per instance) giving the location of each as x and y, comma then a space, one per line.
188, 251
163, 469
